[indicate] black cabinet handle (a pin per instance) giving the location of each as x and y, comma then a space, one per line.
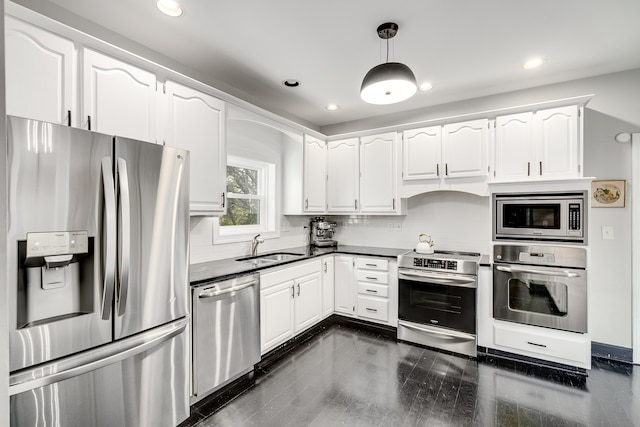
69, 118
89, 122
224, 200
536, 344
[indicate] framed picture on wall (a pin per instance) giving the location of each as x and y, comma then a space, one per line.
608, 193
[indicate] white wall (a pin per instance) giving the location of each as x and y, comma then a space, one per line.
455, 221
4, 331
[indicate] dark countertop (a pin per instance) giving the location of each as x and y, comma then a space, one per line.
214, 271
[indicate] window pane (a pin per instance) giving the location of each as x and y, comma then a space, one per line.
242, 180
241, 212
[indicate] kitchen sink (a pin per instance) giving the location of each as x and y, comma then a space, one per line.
272, 257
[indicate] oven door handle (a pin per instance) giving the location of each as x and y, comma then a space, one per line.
534, 271
439, 279
431, 330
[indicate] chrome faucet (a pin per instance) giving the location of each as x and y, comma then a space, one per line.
254, 245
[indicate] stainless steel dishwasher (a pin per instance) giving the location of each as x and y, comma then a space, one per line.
226, 332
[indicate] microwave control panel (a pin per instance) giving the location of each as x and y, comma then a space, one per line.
574, 216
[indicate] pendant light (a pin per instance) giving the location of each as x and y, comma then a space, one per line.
390, 82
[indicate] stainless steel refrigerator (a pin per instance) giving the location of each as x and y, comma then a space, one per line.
98, 237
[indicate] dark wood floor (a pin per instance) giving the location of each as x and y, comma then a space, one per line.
345, 376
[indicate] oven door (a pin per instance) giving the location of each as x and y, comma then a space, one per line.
541, 296
438, 299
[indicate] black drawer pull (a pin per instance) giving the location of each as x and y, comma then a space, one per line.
372, 278
372, 309
372, 291
536, 344
371, 265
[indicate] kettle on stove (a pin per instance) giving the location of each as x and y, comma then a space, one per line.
425, 244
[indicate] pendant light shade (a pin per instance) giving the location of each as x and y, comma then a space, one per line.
390, 82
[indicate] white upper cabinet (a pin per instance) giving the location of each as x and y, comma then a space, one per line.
465, 148
343, 175
540, 145
556, 133
117, 98
315, 174
41, 78
195, 121
515, 149
378, 180
421, 153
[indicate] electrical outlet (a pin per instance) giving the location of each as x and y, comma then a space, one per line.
607, 232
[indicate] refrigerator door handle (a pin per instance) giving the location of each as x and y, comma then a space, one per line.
124, 213
73, 366
109, 238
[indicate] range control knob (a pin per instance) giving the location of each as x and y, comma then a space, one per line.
498, 257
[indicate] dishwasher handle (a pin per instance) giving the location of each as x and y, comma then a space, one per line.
210, 293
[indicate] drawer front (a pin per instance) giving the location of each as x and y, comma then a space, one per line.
372, 264
550, 343
373, 308
288, 272
373, 289
372, 276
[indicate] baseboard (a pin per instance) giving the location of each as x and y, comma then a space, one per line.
611, 352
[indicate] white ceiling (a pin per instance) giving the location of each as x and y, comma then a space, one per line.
466, 48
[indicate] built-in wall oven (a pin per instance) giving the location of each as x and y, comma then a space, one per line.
437, 300
541, 286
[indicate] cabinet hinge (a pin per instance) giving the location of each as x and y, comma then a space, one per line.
579, 112
579, 168
164, 88
488, 169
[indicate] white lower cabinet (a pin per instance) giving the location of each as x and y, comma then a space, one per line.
568, 348
328, 285
345, 294
290, 302
367, 288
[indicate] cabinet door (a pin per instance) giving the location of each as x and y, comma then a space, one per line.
515, 150
40, 74
421, 153
195, 121
464, 148
117, 98
378, 178
343, 176
308, 301
315, 174
345, 291
328, 284
556, 133
276, 315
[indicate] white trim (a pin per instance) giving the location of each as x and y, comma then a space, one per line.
635, 244
268, 227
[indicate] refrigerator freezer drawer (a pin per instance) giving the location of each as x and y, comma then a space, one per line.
140, 381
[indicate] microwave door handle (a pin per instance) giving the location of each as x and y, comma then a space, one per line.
109, 238
125, 227
534, 271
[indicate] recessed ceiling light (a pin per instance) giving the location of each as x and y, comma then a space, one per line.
332, 107
533, 63
426, 86
291, 83
169, 7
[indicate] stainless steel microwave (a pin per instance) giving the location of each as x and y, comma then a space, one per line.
544, 217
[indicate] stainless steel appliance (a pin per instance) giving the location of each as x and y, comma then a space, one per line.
321, 232
98, 241
226, 332
437, 300
541, 286
549, 217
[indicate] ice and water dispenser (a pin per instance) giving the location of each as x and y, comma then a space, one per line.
52, 268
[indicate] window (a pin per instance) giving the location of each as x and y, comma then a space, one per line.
250, 201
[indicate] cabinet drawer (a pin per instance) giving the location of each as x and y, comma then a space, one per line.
372, 264
372, 276
546, 343
373, 308
373, 289
289, 272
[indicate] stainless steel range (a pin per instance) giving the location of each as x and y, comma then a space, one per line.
437, 300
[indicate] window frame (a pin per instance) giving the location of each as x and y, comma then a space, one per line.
267, 224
